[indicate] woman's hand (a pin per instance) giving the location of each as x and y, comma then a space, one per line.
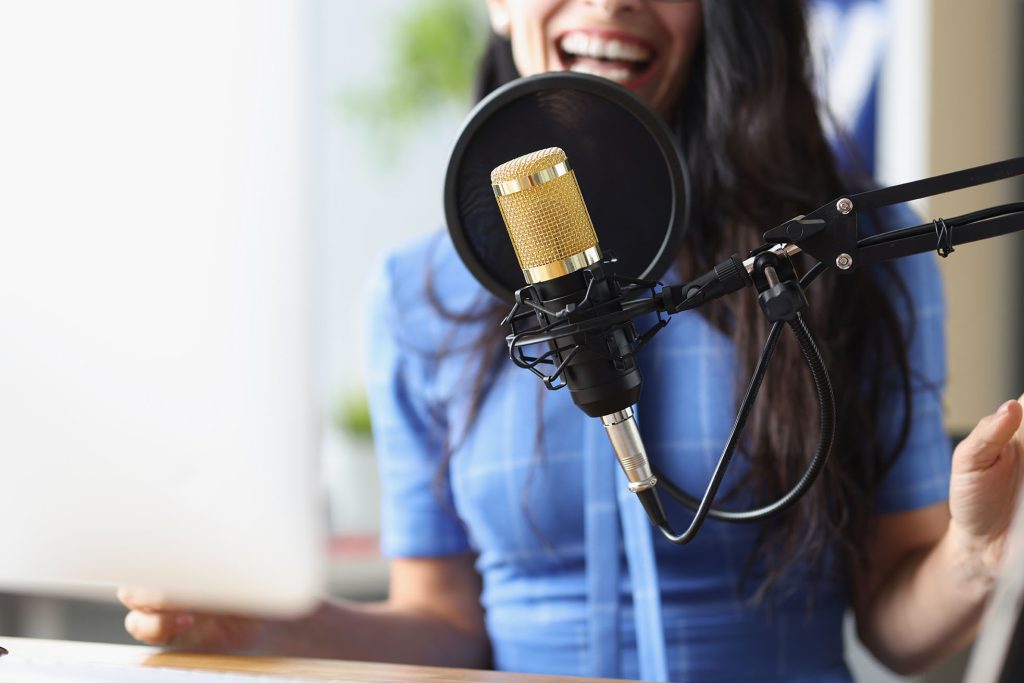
432, 617
986, 480
151, 620
931, 569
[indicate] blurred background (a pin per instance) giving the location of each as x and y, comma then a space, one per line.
924, 87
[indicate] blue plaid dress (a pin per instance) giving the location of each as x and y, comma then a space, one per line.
575, 580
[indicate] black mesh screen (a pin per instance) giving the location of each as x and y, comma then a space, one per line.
628, 170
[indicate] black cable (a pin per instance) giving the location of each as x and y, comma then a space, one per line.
723, 460
812, 275
826, 407
927, 228
704, 506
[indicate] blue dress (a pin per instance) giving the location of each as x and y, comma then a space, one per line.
575, 579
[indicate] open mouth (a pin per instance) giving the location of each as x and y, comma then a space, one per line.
618, 58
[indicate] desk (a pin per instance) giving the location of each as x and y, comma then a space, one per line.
304, 669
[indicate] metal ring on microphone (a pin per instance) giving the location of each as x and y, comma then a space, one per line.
545, 175
549, 271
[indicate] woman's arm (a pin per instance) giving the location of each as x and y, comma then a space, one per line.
916, 604
932, 569
432, 616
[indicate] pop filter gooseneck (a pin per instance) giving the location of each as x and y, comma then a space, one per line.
629, 167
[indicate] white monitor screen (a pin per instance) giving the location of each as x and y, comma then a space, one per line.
156, 416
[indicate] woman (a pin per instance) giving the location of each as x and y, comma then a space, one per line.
509, 545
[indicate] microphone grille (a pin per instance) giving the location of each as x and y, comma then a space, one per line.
528, 164
544, 212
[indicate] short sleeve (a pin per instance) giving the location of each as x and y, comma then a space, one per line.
919, 477
417, 514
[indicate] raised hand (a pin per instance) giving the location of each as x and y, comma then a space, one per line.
985, 484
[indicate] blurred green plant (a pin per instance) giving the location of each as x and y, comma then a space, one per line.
436, 46
351, 415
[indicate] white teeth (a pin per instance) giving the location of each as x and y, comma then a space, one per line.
591, 45
617, 73
616, 49
576, 44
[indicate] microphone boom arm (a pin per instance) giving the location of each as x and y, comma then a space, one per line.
829, 235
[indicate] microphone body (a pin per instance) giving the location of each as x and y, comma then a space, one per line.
603, 377
557, 249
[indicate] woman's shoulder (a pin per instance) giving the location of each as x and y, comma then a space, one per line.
421, 288
426, 272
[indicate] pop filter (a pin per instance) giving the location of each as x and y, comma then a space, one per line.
628, 165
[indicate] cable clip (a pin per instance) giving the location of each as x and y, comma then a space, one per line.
944, 235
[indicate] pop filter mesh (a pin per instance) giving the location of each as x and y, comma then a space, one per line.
630, 176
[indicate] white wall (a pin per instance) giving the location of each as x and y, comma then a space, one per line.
368, 207
952, 100
976, 76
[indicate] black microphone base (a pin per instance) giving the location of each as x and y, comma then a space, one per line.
603, 376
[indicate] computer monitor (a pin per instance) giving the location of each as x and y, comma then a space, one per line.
157, 422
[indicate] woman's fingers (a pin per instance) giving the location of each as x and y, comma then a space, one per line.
153, 620
984, 444
157, 628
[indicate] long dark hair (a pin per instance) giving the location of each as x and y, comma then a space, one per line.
757, 154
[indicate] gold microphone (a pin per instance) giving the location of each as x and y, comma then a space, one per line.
546, 217
553, 237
